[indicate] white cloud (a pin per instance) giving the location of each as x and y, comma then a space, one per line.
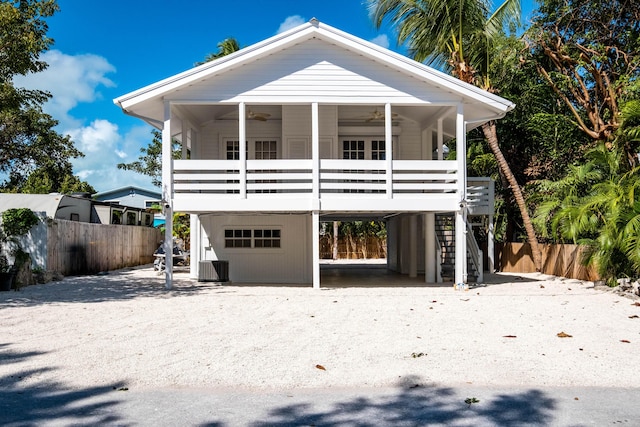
100, 136
291, 22
104, 147
71, 79
77, 79
381, 40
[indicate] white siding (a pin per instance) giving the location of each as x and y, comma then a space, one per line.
409, 142
296, 125
313, 71
291, 263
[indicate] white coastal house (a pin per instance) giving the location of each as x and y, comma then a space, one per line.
313, 125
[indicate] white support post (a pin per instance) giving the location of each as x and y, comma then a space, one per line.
440, 141
388, 144
413, 246
461, 226
430, 248
315, 156
186, 138
196, 245
490, 237
167, 194
315, 237
242, 145
490, 246
427, 144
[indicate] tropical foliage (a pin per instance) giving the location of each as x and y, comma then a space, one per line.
597, 204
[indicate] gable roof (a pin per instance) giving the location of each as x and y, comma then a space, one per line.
127, 190
148, 102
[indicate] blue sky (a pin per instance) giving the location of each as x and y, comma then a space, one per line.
106, 49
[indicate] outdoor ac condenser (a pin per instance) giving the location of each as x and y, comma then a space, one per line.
213, 271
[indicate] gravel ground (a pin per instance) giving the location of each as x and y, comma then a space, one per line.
124, 329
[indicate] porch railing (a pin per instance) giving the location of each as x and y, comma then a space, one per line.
367, 178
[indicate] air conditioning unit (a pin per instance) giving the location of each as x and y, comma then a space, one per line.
213, 271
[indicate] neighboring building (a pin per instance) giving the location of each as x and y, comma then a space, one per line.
134, 197
312, 125
131, 196
77, 208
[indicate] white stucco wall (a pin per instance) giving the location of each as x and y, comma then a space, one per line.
291, 263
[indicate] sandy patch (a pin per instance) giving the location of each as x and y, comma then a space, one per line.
124, 329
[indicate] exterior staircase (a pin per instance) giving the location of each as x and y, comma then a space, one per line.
445, 233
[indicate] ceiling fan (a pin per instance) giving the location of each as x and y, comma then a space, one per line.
256, 115
378, 115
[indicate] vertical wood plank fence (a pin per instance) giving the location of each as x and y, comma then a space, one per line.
557, 260
83, 248
369, 248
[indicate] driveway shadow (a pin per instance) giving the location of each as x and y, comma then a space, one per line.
26, 402
117, 285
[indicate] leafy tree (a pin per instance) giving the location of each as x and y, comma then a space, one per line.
588, 51
49, 178
27, 136
459, 35
150, 162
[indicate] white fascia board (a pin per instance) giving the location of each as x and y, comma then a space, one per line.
323, 32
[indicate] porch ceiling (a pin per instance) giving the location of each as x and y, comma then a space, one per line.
425, 115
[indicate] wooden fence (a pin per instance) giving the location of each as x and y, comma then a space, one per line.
369, 248
83, 248
557, 260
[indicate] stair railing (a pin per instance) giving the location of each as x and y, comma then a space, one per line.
439, 258
475, 252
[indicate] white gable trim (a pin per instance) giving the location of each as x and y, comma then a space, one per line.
327, 33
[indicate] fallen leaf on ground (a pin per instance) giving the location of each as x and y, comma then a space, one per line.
322, 368
625, 341
564, 335
471, 400
542, 286
414, 355
509, 336
635, 316
637, 304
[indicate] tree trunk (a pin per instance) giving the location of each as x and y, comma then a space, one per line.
489, 130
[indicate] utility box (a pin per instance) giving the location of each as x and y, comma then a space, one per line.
213, 271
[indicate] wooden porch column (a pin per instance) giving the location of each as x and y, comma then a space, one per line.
167, 194
242, 146
388, 137
460, 225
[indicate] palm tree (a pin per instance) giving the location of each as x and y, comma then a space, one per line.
225, 47
458, 35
